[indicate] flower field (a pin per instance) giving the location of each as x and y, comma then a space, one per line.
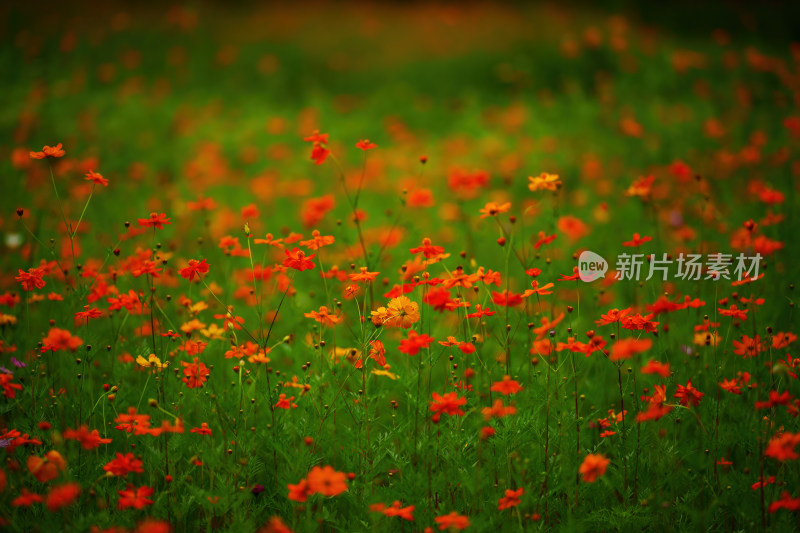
386, 267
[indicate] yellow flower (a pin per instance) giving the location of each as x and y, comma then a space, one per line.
351, 354
152, 362
547, 182
703, 337
213, 332
379, 372
400, 313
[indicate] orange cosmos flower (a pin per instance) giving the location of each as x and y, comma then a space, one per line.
298, 260
782, 447
324, 317
136, 497
155, 220
544, 182
202, 430
285, 403
327, 481
365, 144
507, 386
448, 403
593, 467
89, 439
122, 465
511, 499
642, 187
317, 241
299, 492
625, 348
48, 151
637, 240
364, 275
195, 373
195, 268
688, 395
275, 525
492, 209
269, 239
401, 312
498, 410
47, 468
32, 279
452, 521
656, 367
396, 509
96, 178
62, 495
26, 499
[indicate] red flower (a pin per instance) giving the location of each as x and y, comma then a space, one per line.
285, 403
60, 339
122, 465
9, 389
327, 481
511, 499
414, 342
319, 150
593, 467
480, 312
88, 313
448, 403
202, 430
47, 468
26, 499
62, 495
396, 509
378, 352
613, 316
625, 348
506, 298
319, 154
364, 275
688, 395
734, 312
195, 372
48, 151
782, 447
786, 502
637, 240
498, 410
89, 439
156, 221
135, 497
427, 249
656, 367
452, 521
507, 386
195, 268
298, 260
317, 137
32, 279
365, 144
96, 178
299, 492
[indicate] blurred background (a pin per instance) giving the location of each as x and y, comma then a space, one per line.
186, 99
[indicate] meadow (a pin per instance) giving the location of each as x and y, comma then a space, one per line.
399, 267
